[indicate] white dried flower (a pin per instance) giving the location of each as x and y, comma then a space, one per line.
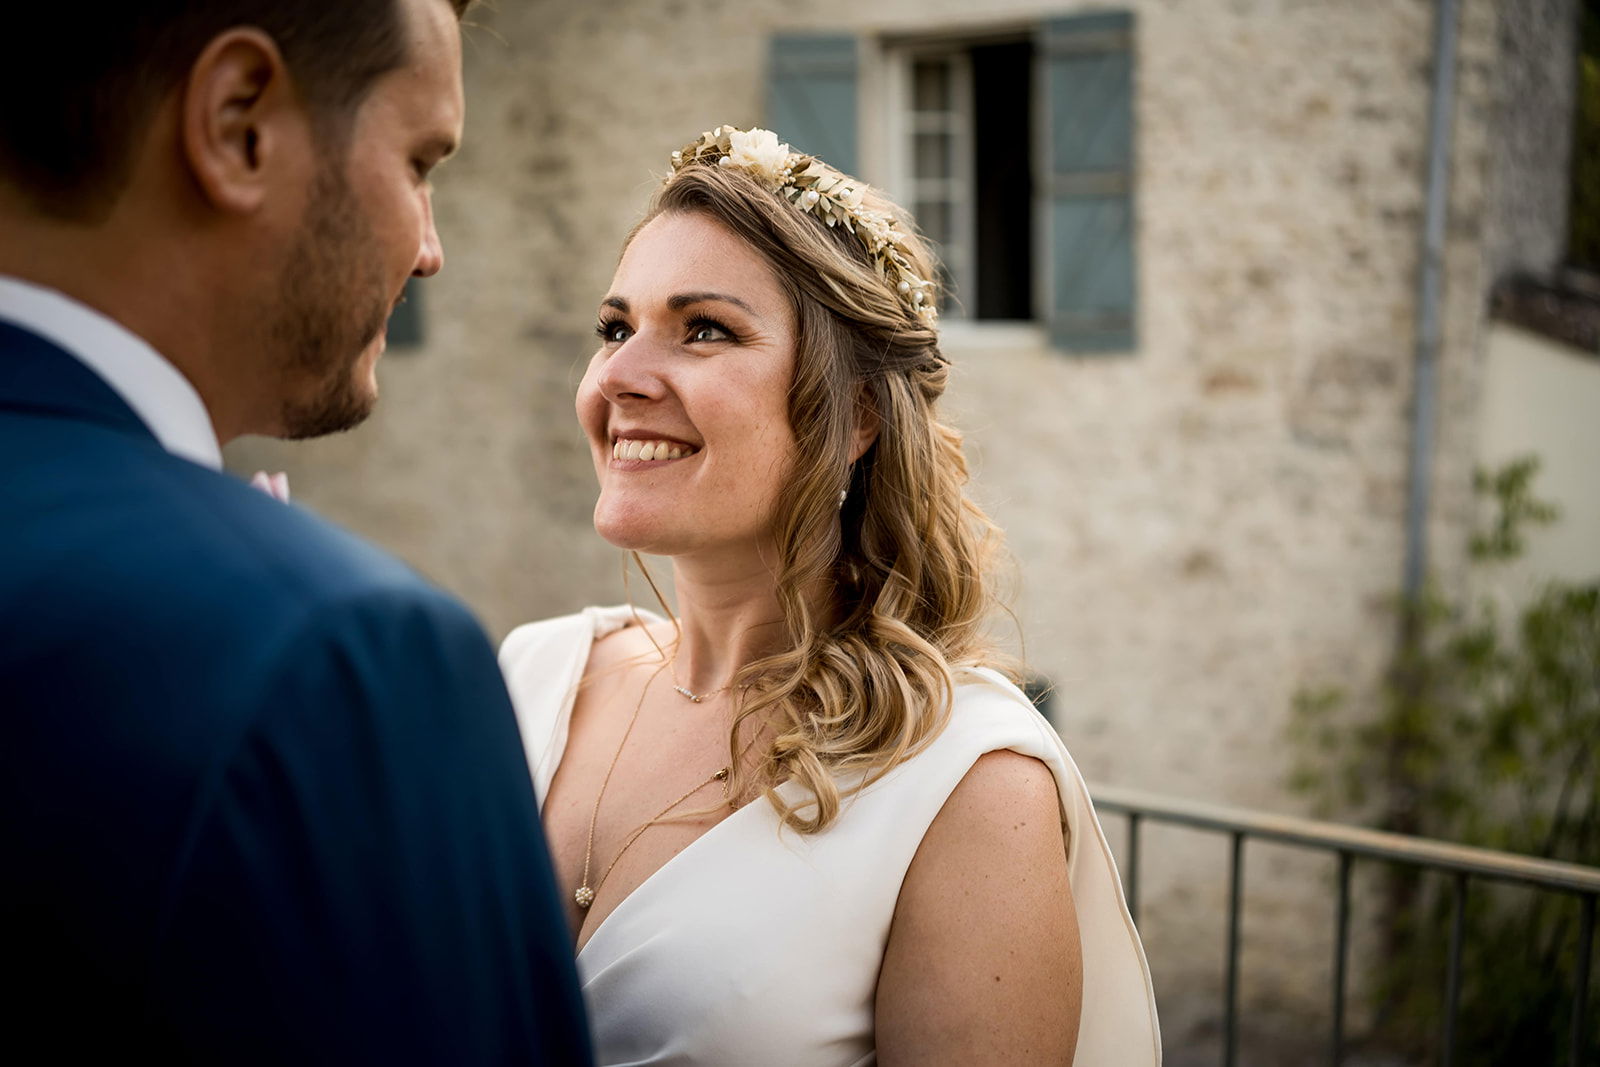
760, 152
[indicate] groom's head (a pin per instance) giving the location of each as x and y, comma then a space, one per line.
243, 182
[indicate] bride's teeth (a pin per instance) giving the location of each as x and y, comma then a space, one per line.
649, 450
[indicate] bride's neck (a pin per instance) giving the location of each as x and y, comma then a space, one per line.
727, 619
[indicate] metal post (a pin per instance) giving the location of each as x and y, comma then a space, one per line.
1580, 996
1429, 289
1341, 943
1231, 1008
1133, 866
1452, 988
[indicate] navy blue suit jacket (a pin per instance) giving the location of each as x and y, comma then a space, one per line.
262, 795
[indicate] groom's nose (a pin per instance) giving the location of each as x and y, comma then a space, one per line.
430, 257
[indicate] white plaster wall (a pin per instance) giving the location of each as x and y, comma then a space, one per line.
1202, 526
1542, 398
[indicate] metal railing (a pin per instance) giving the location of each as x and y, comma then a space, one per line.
1348, 843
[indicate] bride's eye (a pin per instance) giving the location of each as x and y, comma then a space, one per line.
706, 330
613, 331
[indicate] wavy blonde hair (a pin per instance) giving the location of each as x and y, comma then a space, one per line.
881, 597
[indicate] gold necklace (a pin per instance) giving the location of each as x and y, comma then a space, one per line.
584, 895
684, 691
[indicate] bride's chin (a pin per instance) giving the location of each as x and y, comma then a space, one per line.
630, 536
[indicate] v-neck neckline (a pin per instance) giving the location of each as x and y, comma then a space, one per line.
656, 874
563, 729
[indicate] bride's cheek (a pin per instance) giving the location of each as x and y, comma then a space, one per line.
590, 407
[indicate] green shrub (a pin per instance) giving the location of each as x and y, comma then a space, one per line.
1487, 733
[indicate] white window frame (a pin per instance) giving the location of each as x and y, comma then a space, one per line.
959, 254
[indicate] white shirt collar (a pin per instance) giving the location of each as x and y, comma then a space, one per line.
157, 392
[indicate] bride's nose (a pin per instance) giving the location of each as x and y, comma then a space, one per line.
633, 371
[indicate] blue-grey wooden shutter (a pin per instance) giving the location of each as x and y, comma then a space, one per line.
811, 96
1091, 297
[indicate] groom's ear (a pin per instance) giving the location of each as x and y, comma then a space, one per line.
243, 127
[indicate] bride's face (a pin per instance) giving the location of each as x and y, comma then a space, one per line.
685, 404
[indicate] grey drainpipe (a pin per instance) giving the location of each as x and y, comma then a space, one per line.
1430, 283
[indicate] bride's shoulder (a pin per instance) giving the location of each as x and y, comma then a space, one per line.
564, 635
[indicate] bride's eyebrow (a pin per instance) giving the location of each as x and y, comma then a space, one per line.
683, 300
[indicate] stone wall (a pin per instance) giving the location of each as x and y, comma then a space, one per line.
1203, 527
1533, 125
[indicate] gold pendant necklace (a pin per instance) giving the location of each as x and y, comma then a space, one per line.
584, 895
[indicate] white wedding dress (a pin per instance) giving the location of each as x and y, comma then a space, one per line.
755, 947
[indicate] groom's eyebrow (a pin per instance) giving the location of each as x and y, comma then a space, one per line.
683, 300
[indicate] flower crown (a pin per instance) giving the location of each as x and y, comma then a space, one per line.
817, 189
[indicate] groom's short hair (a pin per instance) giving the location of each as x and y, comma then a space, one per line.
80, 82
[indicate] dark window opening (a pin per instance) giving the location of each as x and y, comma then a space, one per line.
1002, 110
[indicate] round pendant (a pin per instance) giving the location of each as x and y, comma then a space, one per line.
584, 896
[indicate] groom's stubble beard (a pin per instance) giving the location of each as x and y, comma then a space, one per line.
331, 305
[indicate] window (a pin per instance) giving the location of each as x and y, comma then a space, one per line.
1013, 149
968, 171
